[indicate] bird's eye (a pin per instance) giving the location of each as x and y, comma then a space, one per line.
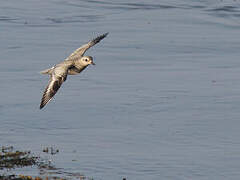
86, 60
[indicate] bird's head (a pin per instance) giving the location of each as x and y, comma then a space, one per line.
86, 60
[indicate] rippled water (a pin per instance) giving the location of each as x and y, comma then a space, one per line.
161, 103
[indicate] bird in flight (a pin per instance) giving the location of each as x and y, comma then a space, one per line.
72, 65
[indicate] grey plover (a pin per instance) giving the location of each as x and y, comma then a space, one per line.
72, 65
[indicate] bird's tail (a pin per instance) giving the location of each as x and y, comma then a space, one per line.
47, 71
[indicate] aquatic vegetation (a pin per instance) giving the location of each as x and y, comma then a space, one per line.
11, 159
22, 177
50, 150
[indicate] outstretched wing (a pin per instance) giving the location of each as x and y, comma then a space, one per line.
80, 51
53, 85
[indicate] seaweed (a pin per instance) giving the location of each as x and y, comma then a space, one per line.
11, 159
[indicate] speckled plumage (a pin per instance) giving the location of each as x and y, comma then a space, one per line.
72, 65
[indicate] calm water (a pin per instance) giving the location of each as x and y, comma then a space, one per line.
162, 102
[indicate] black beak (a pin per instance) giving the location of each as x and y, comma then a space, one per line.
93, 63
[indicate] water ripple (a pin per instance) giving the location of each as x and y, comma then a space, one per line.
73, 19
224, 14
224, 9
123, 6
6, 18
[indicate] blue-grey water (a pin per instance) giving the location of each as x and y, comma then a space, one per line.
162, 102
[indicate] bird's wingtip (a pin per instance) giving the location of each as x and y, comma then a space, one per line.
105, 34
41, 106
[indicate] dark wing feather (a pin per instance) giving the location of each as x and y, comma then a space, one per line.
80, 51
51, 89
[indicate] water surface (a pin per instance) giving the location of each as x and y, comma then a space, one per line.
161, 103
